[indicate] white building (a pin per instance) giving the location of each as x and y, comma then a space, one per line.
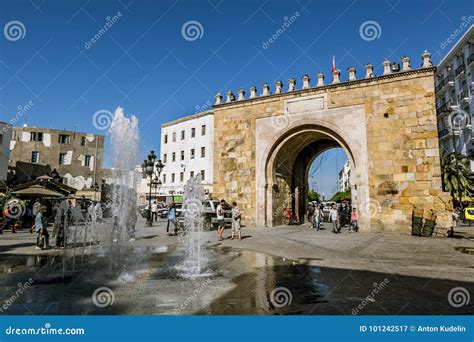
187, 148
345, 177
5, 137
454, 94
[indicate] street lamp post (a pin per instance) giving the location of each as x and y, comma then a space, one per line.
96, 189
151, 167
453, 117
156, 183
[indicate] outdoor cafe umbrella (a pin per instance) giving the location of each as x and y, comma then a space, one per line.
37, 191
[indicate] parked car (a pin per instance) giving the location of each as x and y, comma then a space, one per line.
210, 214
469, 214
163, 212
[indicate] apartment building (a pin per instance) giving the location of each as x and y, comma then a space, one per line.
5, 137
454, 94
76, 156
186, 150
345, 177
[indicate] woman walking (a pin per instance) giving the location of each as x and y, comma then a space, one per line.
354, 221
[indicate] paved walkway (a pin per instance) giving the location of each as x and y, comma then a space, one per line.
434, 257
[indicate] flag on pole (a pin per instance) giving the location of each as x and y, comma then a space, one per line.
333, 67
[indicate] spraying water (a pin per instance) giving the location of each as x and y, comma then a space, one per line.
195, 262
124, 138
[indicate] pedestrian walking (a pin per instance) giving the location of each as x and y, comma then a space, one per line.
310, 212
36, 207
236, 220
334, 218
171, 219
220, 220
8, 220
317, 217
354, 221
41, 228
154, 212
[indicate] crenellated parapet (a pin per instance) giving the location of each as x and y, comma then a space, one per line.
388, 69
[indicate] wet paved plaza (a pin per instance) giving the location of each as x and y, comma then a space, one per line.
238, 280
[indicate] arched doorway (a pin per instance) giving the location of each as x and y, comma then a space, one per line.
288, 166
284, 153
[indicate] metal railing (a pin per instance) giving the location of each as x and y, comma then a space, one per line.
460, 70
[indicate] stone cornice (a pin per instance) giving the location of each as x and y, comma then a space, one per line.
362, 81
187, 118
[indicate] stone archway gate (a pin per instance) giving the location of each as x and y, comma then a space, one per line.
386, 124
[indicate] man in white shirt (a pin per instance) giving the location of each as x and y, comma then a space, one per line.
154, 211
334, 218
220, 220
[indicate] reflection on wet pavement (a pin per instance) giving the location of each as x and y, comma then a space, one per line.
237, 282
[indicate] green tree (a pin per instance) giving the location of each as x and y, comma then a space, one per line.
457, 176
341, 195
313, 196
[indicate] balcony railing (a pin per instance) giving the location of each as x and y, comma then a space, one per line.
463, 96
446, 107
460, 70
448, 80
470, 59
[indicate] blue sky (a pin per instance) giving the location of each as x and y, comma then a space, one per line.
144, 63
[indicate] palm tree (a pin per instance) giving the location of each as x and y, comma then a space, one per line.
457, 177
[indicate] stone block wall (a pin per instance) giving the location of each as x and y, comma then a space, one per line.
402, 142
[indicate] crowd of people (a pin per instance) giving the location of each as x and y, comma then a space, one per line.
60, 212
40, 213
338, 216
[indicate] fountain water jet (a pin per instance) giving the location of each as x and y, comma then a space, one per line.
124, 151
195, 262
